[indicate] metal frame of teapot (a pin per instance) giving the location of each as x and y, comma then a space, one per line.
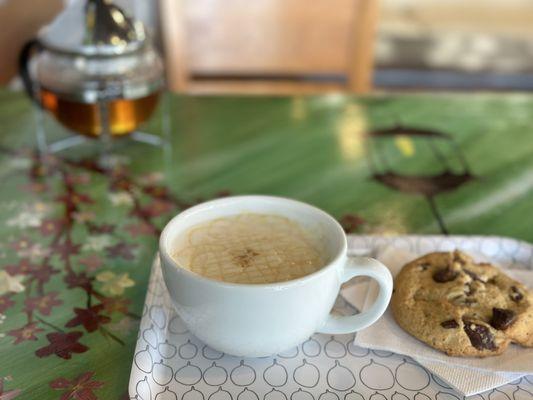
96, 71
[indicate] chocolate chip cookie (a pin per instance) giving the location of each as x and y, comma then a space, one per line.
461, 307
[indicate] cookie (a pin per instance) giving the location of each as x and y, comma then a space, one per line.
461, 307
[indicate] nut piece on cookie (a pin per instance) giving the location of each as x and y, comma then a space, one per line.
461, 307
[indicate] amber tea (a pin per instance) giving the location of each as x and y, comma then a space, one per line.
125, 115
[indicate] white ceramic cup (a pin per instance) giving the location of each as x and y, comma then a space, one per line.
255, 320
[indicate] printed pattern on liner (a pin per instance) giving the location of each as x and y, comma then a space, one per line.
171, 364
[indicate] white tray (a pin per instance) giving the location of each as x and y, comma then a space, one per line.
171, 364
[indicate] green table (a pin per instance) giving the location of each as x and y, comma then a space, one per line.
78, 241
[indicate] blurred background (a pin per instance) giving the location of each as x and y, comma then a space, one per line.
297, 46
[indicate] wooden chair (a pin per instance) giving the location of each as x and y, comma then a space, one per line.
268, 46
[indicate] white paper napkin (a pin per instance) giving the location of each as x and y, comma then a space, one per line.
468, 375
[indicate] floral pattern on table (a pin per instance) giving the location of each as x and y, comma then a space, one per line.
63, 285
61, 282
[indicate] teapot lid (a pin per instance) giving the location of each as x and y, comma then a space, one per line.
93, 28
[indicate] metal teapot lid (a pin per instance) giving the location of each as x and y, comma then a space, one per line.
93, 28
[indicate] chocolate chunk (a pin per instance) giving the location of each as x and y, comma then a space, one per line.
445, 275
502, 318
515, 294
479, 335
450, 324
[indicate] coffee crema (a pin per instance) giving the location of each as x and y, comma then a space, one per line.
249, 248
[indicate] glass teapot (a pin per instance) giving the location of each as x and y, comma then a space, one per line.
94, 69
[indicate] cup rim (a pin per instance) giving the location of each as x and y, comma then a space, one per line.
163, 251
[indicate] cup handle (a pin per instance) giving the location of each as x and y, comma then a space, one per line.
362, 266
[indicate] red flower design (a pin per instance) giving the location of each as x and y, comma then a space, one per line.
43, 166
74, 198
40, 170
25, 333
80, 280
6, 302
66, 249
122, 249
35, 187
62, 345
77, 179
80, 388
102, 228
21, 244
91, 262
142, 228
90, 318
43, 304
91, 165
51, 226
43, 273
159, 192
351, 222
120, 180
24, 267
155, 209
223, 193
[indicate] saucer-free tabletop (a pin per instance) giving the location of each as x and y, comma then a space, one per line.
77, 240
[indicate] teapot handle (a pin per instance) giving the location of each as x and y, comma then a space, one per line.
24, 70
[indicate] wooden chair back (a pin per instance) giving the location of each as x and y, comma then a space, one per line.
269, 45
